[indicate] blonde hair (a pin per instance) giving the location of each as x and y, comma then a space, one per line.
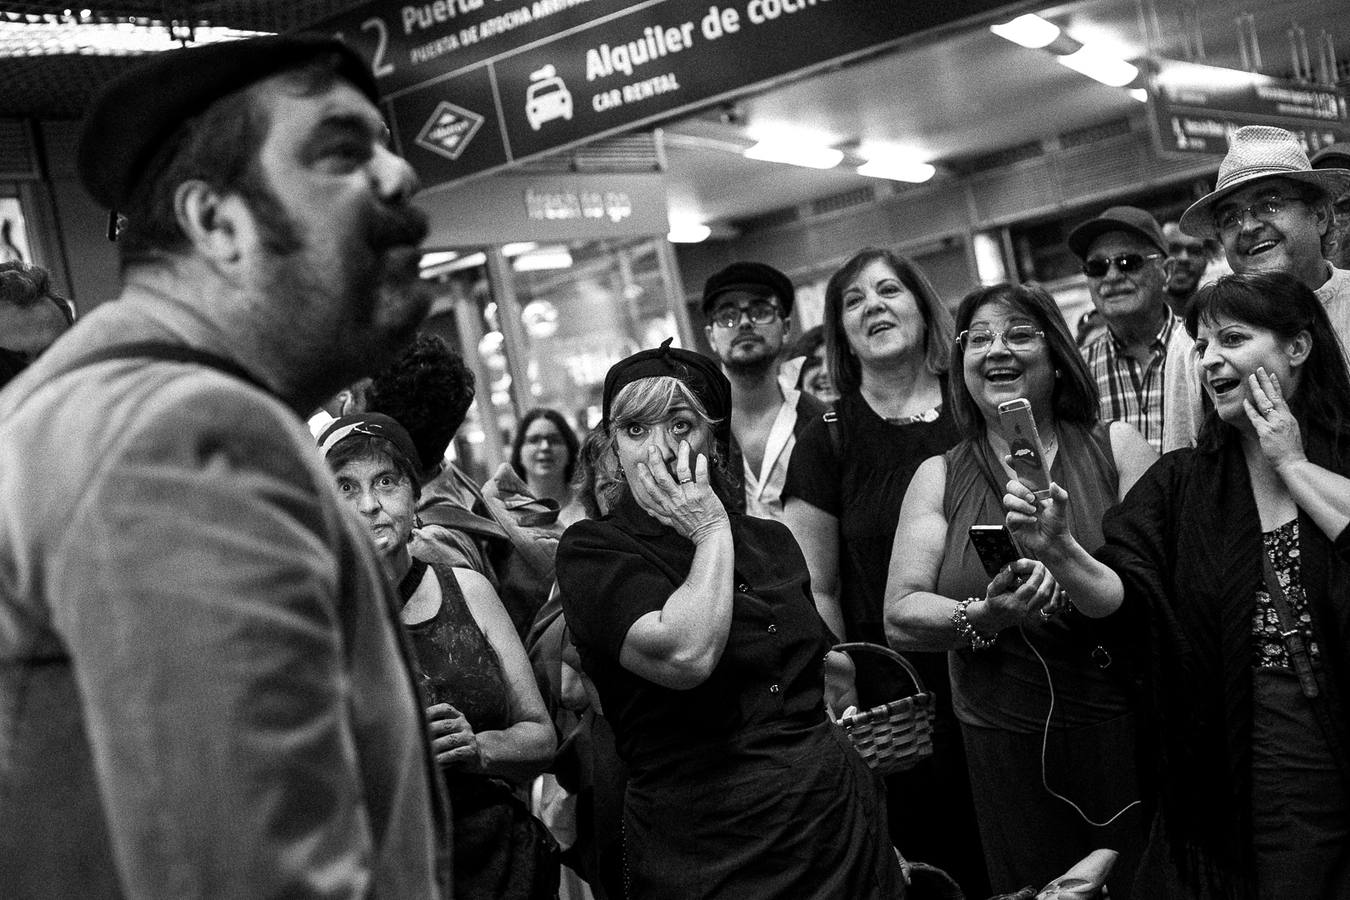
644, 402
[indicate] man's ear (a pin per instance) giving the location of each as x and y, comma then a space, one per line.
1169, 264
1322, 212
212, 222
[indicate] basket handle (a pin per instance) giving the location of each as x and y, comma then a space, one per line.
887, 652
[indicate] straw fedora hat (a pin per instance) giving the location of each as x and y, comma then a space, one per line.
1256, 152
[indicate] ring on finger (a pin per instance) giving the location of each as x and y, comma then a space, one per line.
1046, 612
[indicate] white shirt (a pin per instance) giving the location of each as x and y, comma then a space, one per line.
764, 489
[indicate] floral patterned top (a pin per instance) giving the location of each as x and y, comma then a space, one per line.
1281, 545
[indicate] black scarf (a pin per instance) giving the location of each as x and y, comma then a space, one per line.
1187, 544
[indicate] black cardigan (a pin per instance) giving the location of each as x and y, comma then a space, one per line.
1187, 544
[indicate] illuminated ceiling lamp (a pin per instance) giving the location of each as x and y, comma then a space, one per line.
542, 259
1100, 66
896, 167
1030, 30
85, 33
688, 233
793, 153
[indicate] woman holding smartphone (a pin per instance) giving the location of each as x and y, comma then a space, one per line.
1014, 648
1232, 562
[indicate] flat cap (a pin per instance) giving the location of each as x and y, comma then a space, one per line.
749, 276
702, 376
1332, 156
1130, 219
138, 111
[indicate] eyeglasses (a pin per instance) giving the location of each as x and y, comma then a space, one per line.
1098, 266
1018, 337
760, 312
1265, 209
552, 439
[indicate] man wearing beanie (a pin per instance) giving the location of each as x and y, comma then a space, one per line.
748, 307
1124, 257
1271, 210
205, 685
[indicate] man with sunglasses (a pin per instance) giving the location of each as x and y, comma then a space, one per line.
1272, 212
1124, 258
748, 308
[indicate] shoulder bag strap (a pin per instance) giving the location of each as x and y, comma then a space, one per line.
160, 350
1290, 632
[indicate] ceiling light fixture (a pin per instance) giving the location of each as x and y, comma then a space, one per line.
1103, 67
542, 260
1030, 30
794, 154
911, 171
78, 35
688, 233
1139, 94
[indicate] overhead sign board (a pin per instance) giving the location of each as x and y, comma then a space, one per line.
543, 208
474, 85
1196, 107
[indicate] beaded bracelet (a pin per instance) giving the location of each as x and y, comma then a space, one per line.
966, 630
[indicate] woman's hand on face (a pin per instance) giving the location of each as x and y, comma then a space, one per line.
453, 742
1020, 589
684, 502
1275, 425
1038, 525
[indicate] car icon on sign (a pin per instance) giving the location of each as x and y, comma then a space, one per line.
547, 98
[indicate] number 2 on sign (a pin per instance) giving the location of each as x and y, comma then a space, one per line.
377, 65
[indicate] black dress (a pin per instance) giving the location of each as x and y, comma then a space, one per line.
501, 852
739, 787
863, 484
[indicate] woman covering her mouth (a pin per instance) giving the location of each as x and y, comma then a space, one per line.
1230, 563
698, 629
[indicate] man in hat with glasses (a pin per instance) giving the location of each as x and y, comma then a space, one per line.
1272, 212
205, 687
748, 308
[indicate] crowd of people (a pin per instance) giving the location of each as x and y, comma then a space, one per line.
244, 658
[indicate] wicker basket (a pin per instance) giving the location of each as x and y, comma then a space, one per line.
894, 736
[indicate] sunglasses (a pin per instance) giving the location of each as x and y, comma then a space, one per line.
1098, 266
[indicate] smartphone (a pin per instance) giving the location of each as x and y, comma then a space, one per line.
1025, 447
995, 547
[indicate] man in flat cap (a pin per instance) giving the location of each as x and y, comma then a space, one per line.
1337, 156
1272, 212
1124, 257
748, 308
203, 682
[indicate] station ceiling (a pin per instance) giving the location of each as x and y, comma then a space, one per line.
947, 98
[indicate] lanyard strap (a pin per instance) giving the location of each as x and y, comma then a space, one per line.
1290, 632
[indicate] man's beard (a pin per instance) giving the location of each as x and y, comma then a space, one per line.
753, 367
376, 282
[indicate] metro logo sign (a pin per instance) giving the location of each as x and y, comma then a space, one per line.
449, 130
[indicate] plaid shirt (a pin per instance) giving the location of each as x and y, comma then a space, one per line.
1127, 393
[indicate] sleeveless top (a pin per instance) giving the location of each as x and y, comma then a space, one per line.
1005, 686
455, 662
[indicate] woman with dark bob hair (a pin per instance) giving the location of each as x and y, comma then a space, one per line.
1232, 561
888, 339
544, 455
489, 728
1014, 655
697, 628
